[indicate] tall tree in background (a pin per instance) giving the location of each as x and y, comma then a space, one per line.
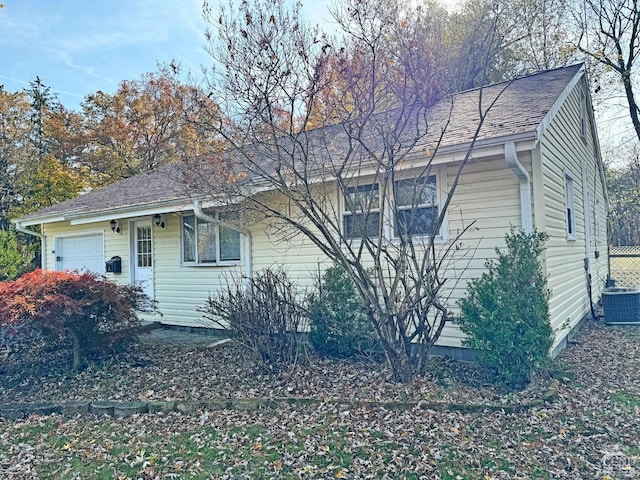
541, 33
14, 149
50, 173
140, 127
273, 74
610, 35
624, 201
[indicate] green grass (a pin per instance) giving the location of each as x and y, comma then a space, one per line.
626, 399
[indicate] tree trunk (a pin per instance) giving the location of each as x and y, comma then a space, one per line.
400, 363
631, 100
77, 357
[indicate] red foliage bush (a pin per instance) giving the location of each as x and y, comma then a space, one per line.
99, 316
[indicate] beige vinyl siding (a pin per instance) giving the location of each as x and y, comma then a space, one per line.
488, 195
277, 245
563, 149
177, 289
114, 244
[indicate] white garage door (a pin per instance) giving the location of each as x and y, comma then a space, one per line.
84, 253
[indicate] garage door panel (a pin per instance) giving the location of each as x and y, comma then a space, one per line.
83, 253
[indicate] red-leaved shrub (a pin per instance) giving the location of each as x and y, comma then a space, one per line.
99, 316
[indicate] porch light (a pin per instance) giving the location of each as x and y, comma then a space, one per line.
115, 228
157, 219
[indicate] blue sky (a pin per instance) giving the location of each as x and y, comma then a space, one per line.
78, 47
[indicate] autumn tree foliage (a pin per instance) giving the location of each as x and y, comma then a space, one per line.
142, 126
39, 152
14, 150
96, 316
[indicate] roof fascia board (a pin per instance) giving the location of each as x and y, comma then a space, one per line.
555, 108
523, 143
38, 220
482, 149
186, 205
486, 148
124, 213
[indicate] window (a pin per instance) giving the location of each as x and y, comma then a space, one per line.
570, 205
143, 246
206, 243
413, 210
416, 206
362, 211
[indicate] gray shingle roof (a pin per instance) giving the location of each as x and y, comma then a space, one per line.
160, 185
521, 107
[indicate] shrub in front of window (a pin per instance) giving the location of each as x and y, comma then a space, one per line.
265, 316
95, 316
339, 326
506, 312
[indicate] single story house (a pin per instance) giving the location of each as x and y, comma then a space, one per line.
536, 164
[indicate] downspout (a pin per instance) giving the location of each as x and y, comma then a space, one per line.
587, 237
525, 188
197, 209
43, 243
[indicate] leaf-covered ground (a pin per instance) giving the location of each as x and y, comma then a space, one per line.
591, 430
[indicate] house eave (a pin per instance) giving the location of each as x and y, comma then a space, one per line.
486, 147
29, 222
450, 153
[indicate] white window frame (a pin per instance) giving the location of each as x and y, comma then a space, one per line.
197, 262
388, 215
570, 205
347, 213
436, 204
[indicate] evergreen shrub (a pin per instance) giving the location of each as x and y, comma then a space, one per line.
506, 311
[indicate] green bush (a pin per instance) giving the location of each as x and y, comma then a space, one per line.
506, 312
265, 316
339, 327
13, 258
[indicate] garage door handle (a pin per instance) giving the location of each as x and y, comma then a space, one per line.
58, 259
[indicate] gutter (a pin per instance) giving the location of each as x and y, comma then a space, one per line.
248, 261
43, 243
525, 187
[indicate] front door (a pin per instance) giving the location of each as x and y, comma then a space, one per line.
143, 256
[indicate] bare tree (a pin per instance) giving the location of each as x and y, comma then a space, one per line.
610, 35
362, 190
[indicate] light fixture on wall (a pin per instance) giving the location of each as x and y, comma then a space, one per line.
115, 227
157, 219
